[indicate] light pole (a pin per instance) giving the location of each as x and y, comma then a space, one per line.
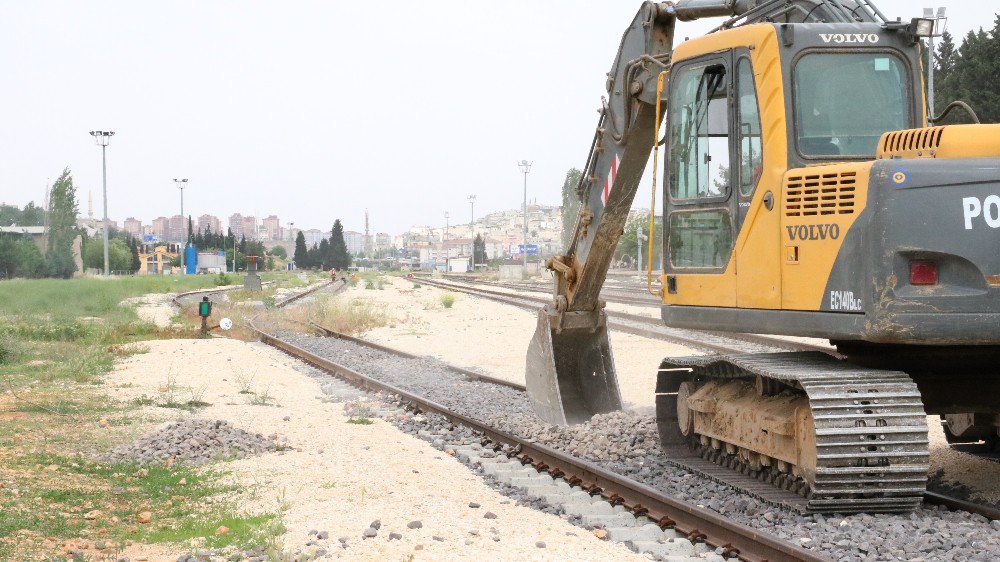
472, 228
940, 23
525, 167
181, 184
103, 138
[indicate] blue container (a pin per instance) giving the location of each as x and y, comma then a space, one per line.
190, 260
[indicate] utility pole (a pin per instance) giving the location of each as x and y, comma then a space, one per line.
940, 24
444, 240
103, 138
472, 228
181, 184
525, 167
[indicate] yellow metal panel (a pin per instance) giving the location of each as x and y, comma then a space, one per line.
705, 289
950, 141
758, 255
818, 206
745, 36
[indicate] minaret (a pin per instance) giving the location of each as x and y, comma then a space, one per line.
90, 205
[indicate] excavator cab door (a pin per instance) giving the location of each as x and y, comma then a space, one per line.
700, 206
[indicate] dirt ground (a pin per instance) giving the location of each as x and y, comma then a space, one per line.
340, 476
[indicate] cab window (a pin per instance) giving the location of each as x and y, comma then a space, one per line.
698, 158
750, 149
845, 101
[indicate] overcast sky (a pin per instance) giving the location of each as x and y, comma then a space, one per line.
315, 110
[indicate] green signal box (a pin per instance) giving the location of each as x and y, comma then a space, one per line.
205, 307
204, 310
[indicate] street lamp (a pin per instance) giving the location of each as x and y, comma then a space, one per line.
940, 25
103, 138
181, 184
472, 228
525, 167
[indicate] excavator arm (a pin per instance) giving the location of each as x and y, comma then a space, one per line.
570, 369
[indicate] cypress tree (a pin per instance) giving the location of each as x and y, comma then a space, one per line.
300, 256
62, 226
339, 257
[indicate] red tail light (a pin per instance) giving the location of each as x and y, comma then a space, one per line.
923, 273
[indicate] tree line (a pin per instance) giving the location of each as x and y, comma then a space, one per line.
970, 72
21, 257
329, 253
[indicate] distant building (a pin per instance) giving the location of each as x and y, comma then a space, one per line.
211, 223
236, 224
313, 236
273, 227
355, 241
383, 241
249, 227
176, 228
155, 259
133, 227
161, 225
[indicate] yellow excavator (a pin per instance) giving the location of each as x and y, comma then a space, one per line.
806, 192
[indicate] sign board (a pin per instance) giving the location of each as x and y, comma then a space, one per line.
519, 249
148, 238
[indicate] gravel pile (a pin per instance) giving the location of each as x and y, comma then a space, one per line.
196, 441
627, 443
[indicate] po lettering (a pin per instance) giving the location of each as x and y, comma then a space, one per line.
988, 209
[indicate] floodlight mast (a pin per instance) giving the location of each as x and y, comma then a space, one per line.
181, 184
103, 138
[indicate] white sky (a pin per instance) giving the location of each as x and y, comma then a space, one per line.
315, 110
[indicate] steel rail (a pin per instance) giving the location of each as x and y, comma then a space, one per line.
699, 524
653, 331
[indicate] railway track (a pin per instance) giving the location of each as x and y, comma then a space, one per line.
710, 470
697, 523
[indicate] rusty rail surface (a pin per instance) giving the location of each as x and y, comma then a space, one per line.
697, 523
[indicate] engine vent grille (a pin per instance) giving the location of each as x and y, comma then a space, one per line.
808, 195
916, 142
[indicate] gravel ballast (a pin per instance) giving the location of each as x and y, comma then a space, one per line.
627, 443
196, 441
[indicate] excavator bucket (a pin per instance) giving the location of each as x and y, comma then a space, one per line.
570, 372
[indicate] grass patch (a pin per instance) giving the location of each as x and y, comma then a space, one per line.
57, 338
447, 300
